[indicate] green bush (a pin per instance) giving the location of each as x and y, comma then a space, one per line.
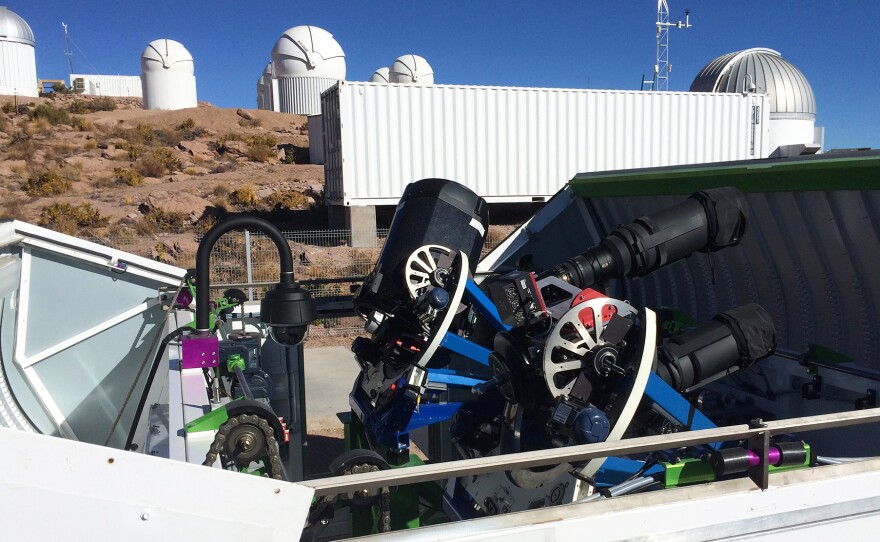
51, 114
47, 183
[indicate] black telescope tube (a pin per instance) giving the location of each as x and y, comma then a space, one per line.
738, 336
203, 259
706, 221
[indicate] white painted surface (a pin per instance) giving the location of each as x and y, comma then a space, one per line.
308, 51
516, 144
56, 489
122, 86
843, 501
301, 95
411, 70
18, 69
168, 76
264, 89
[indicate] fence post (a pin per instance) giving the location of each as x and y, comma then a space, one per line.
250, 270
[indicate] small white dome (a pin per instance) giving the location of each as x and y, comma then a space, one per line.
380, 76
166, 55
14, 28
412, 70
308, 51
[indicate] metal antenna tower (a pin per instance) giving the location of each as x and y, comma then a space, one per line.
662, 67
68, 53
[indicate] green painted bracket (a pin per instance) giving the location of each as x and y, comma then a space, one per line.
687, 471
209, 422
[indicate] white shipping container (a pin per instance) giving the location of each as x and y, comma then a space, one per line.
511, 144
118, 86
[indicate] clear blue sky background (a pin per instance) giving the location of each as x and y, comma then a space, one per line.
597, 44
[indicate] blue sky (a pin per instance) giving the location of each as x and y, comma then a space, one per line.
597, 44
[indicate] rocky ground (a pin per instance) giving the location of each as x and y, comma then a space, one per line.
104, 166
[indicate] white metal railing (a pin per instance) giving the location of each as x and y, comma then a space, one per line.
538, 458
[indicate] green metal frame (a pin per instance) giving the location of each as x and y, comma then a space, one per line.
852, 171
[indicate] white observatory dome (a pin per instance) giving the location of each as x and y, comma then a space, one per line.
308, 51
306, 61
764, 71
167, 71
18, 69
411, 70
380, 75
264, 88
166, 55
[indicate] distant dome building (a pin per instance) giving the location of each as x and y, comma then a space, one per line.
306, 61
764, 71
168, 76
411, 70
264, 89
380, 76
18, 67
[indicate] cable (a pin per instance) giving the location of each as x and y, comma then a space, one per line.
622, 489
825, 460
149, 383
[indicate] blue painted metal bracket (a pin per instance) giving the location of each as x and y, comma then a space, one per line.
431, 413
484, 306
466, 348
677, 406
445, 376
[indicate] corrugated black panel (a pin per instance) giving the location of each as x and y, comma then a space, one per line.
812, 259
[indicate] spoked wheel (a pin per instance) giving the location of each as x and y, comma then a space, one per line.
578, 341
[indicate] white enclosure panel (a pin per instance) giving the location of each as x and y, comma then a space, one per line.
302, 95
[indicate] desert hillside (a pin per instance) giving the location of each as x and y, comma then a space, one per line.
105, 167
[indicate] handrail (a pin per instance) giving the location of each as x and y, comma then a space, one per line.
467, 467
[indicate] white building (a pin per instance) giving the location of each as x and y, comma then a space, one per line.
18, 65
119, 86
306, 61
168, 76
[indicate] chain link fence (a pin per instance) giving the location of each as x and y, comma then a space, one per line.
249, 261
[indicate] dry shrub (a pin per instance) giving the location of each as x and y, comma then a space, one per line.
252, 122
166, 221
90, 144
245, 196
52, 115
261, 148
70, 219
12, 208
224, 166
37, 127
46, 183
21, 147
126, 176
102, 103
82, 124
158, 162
287, 199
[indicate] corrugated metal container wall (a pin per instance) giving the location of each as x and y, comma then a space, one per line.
516, 144
120, 86
302, 95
